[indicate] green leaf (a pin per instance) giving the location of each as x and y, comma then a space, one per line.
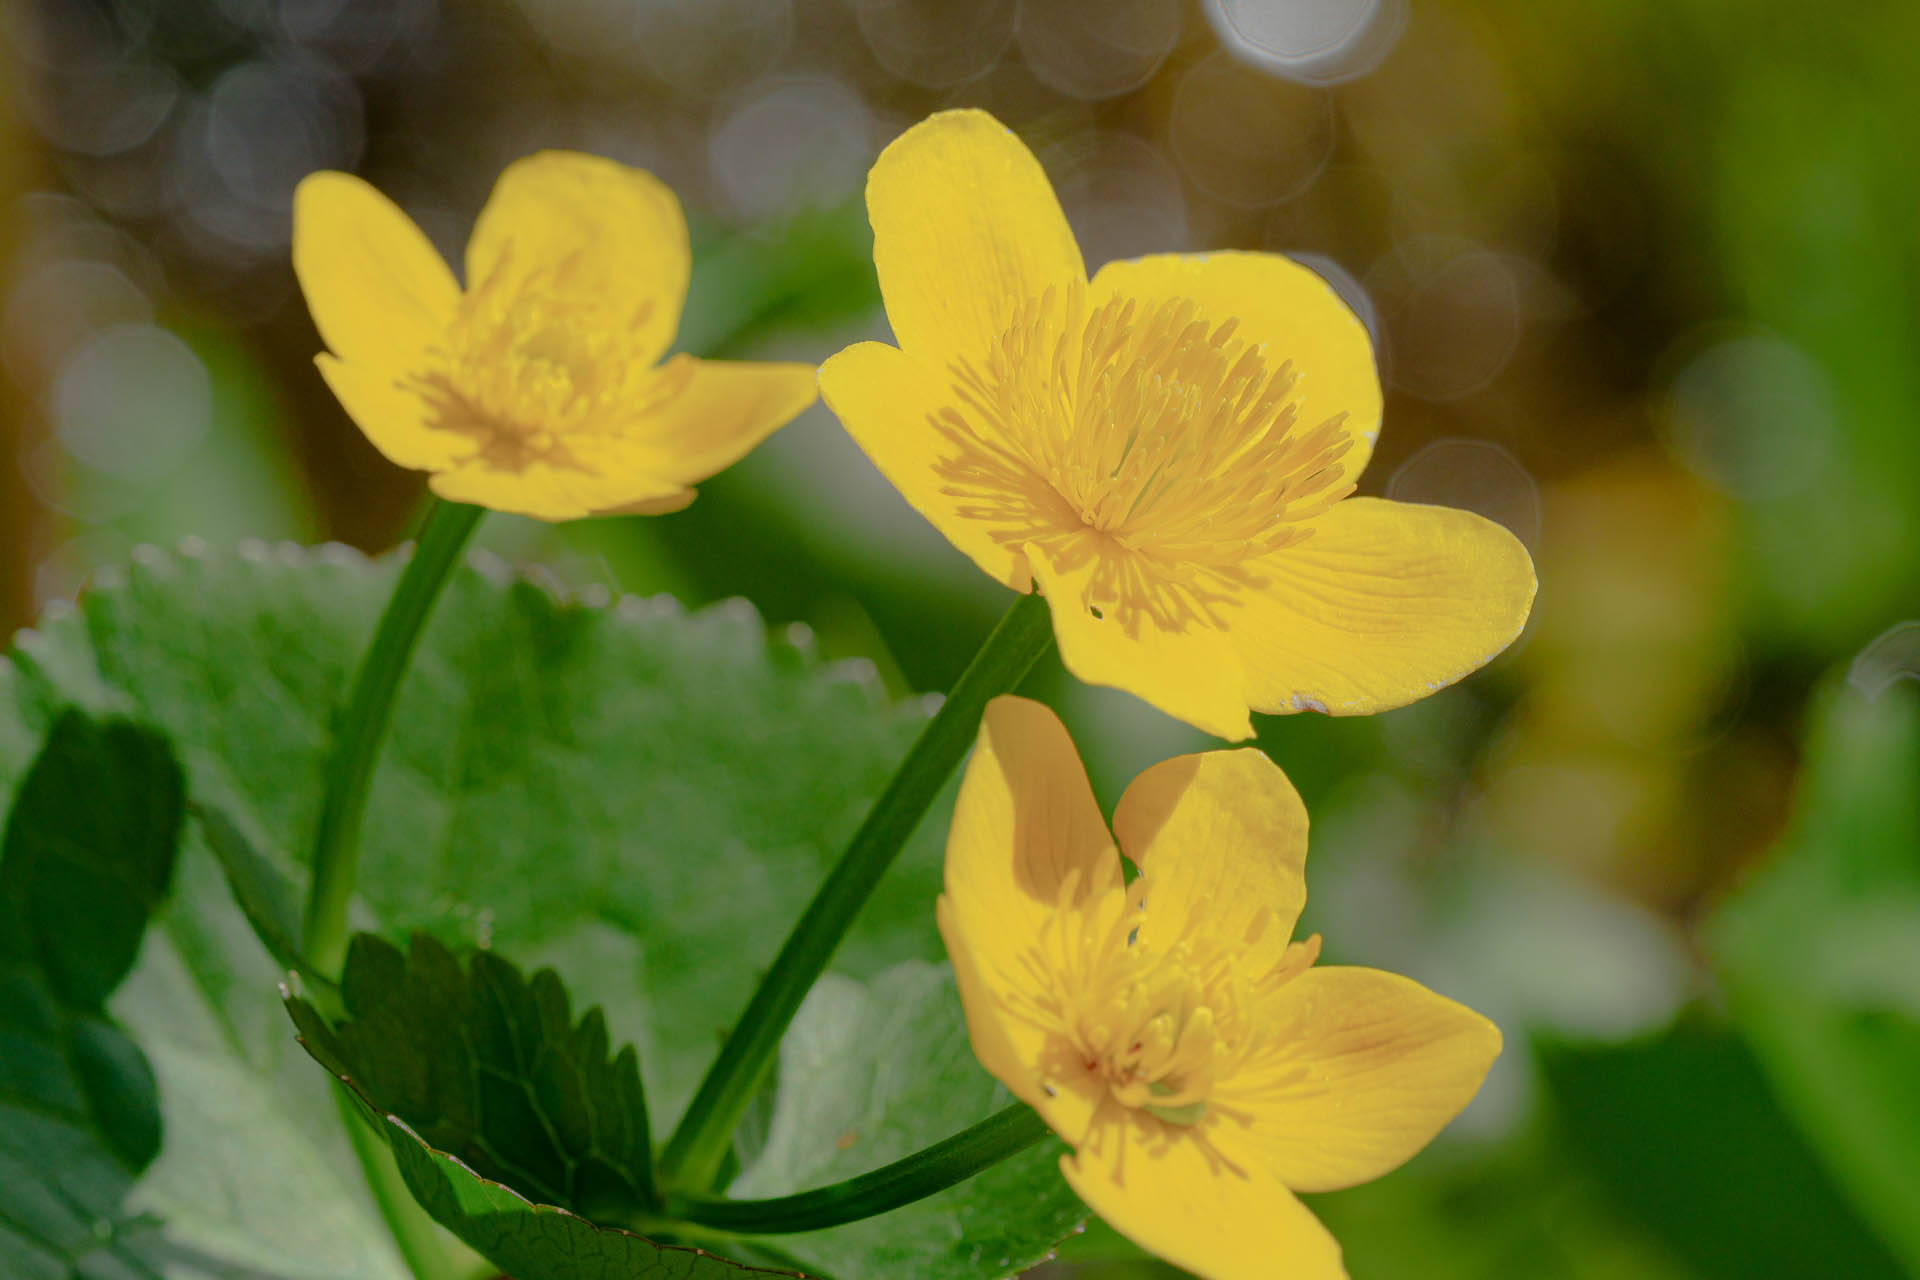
512, 1124
1681, 1130
872, 1072
1818, 957
541, 1242
261, 889
89, 847
488, 1065
244, 1138
252, 1128
639, 798
812, 271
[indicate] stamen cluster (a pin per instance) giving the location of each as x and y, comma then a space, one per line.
1161, 1023
1141, 435
526, 367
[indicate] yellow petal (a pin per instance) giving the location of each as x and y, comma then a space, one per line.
1026, 840
1289, 310
887, 401
660, 505
1385, 603
1373, 1066
1013, 1050
1189, 672
379, 292
548, 492
1220, 1214
965, 228
726, 409
394, 418
591, 233
1220, 839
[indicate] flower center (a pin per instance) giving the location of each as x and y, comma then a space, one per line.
1160, 1025
1143, 437
526, 367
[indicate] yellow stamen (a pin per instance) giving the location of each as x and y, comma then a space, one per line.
526, 367
1159, 1023
1145, 437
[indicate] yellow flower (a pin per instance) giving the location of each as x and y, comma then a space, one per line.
1200, 1065
1165, 449
536, 389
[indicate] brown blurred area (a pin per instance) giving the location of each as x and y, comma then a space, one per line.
1479, 180
1644, 284
1501, 262
21, 536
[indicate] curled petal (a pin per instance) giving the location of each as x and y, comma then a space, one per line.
568, 490
1221, 840
1027, 844
725, 409
1027, 837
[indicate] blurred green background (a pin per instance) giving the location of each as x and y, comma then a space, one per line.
1645, 281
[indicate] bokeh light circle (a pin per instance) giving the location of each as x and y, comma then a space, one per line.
1473, 475
132, 403
1121, 194
936, 44
1752, 415
791, 143
1313, 41
1246, 138
1095, 51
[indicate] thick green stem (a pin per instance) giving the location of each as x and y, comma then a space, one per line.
1003, 1134
336, 847
699, 1144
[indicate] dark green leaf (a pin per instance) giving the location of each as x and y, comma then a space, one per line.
250, 1127
89, 847
490, 1067
1682, 1131
540, 1242
1820, 955
639, 798
261, 889
873, 1072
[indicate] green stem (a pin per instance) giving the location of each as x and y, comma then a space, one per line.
1003, 1134
429, 1254
699, 1144
336, 847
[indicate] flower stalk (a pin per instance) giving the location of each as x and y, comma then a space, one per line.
363, 727
974, 1150
694, 1154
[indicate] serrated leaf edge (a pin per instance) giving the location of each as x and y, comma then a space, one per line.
536, 1206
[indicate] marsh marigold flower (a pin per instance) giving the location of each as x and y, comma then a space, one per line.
1199, 1062
537, 389
1166, 449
